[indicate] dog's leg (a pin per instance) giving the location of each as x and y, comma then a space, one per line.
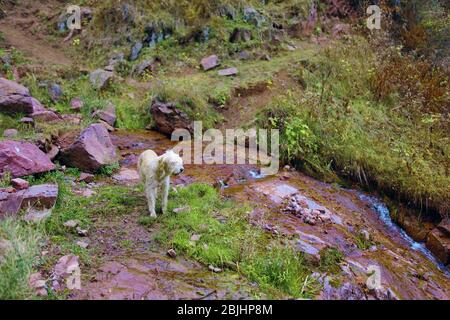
165, 193
150, 192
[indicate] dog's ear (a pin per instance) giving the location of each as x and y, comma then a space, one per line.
163, 168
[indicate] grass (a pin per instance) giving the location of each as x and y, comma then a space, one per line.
229, 241
19, 252
338, 126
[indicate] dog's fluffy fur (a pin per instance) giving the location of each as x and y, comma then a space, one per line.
155, 174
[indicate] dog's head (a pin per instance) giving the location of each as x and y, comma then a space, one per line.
172, 162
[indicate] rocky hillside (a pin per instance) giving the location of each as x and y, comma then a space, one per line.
363, 119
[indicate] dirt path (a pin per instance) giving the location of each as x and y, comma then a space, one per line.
22, 30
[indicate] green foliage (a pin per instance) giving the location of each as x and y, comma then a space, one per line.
227, 240
338, 125
330, 258
19, 249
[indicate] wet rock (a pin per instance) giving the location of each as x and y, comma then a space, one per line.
228, 72
10, 133
299, 206
210, 62
384, 294
100, 78
276, 193
135, 51
171, 253
91, 151
38, 284
86, 177
76, 104
22, 159
20, 184
439, 244
34, 199
55, 91
108, 114
240, 35
418, 230
347, 291
444, 226
168, 117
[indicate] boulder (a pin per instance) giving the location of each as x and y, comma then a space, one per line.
39, 197
22, 159
100, 78
210, 62
15, 98
91, 151
439, 244
108, 114
168, 117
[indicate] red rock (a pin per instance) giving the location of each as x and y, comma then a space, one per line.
228, 72
53, 153
439, 244
15, 98
210, 62
22, 159
20, 184
168, 117
37, 197
444, 226
91, 151
10, 133
86, 177
108, 114
76, 104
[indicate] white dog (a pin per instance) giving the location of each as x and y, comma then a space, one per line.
155, 173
